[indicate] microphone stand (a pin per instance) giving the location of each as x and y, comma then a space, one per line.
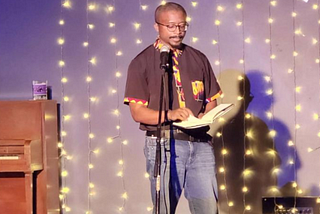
157, 166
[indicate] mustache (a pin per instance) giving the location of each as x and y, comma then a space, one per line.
173, 37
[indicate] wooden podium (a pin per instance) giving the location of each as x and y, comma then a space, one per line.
29, 163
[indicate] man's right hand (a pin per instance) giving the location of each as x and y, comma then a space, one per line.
179, 114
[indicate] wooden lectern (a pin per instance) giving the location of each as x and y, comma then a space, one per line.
29, 163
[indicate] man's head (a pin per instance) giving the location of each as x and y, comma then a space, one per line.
171, 24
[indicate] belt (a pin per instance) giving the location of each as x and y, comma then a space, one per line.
179, 135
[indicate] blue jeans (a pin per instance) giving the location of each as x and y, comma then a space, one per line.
192, 167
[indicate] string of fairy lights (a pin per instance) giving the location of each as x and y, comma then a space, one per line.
222, 169
296, 126
316, 115
242, 61
65, 117
117, 137
91, 61
270, 92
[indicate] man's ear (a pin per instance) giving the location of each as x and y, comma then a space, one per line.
156, 27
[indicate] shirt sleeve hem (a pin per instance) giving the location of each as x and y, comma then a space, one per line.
217, 95
128, 100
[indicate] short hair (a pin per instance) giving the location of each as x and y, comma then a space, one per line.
168, 7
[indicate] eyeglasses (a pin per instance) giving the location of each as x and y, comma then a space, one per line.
172, 27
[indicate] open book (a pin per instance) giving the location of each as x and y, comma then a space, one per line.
192, 122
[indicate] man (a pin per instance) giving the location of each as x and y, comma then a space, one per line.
193, 90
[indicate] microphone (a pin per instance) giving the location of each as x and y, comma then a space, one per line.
164, 57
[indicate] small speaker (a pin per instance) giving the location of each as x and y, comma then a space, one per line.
290, 205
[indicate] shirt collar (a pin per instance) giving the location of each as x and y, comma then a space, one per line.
158, 45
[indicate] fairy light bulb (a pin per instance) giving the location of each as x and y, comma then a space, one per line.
136, 25
125, 142
93, 61
272, 133
92, 7
269, 92
230, 204
149, 209
273, 56
245, 189
290, 70
318, 200
195, 39
249, 134
291, 162
90, 166
119, 53
248, 207
317, 60
270, 20
239, 23
269, 115
89, 79
63, 133
188, 19
60, 145
64, 173
194, 3
113, 40
315, 116
217, 62
96, 151
267, 41
224, 151
290, 143
138, 41
221, 169
86, 115
214, 42
66, 4
248, 152
310, 150
241, 61
294, 14
144, 7
65, 190
118, 74
163, 2
91, 135
117, 127
125, 195
217, 22
66, 117
314, 41
60, 41
61, 22
85, 44
62, 63
295, 53
267, 78
247, 40
218, 134
298, 89
146, 175
64, 80
109, 9
273, 3
239, 6
248, 116
111, 24
91, 26
315, 6
109, 140
66, 98
298, 126
298, 108
120, 174
220, 8
222, 187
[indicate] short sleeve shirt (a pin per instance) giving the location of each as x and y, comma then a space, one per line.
144, 81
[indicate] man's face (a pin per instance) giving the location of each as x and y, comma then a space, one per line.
171, 39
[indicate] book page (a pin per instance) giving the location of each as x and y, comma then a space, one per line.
193, 122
